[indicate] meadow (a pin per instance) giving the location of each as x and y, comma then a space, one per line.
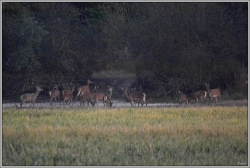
125, 136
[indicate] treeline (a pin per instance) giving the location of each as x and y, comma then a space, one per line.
169, 46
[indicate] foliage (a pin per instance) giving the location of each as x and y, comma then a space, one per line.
168, 46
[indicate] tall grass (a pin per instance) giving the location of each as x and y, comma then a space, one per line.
124, 136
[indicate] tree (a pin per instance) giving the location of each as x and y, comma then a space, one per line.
21, 58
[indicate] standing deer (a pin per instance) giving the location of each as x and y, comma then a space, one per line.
30, 97
54, 94
108, 101
89, 98
107, 97
213, 92
183, 97
99, 96
200, 94
83, 89
68, 95
133, 91
140, 97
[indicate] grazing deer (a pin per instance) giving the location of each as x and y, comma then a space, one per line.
200, 94
89, 98
183, 97
83, 89
54, 94
30, 97
213, 92
68, 95
107, 97
140, 97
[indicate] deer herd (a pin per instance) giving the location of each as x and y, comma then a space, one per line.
200, 94
84, 95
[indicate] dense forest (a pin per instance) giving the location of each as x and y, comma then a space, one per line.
168, 46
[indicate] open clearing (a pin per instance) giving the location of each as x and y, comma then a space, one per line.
126, 136
118, 103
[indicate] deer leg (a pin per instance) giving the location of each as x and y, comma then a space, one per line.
82, 102
50, 101
104, 101
93, 102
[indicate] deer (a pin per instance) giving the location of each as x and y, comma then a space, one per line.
213, 92
30, 97
107, 97
83, 89
107, 100
183, 97
89, 98
99, 96
133, 91
200, 94
68, 95
140, 97
54, 94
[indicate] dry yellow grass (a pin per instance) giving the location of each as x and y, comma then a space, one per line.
148, 131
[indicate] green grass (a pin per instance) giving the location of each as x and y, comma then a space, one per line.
124, 136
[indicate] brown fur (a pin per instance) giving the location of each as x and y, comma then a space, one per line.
213, 93
89, 98
30, 97
54, 94
140, 97
200, 94
83, 89
183, 97
68, 95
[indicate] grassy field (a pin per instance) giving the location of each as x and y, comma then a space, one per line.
125, 136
